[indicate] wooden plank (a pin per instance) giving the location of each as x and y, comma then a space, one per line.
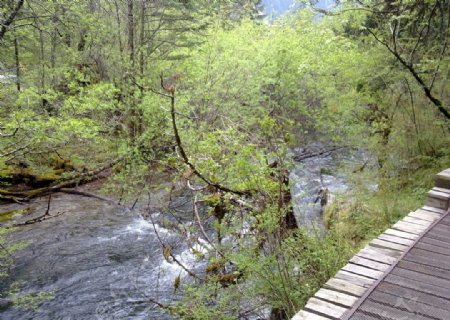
406, 227
386, 244
305, 315
366, 272
384, 251
369, 263
444, 190
432, 248
401, 234
417, 227
336, 297
417, 221
325, 308
425, 215
422, 217
433, 209
388, 313
354, 278
344, 286
394, 239
376, 255
439, 195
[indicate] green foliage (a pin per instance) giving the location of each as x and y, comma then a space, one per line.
245, 91
28, 300
7, 248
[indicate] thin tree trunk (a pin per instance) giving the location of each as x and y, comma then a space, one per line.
132, 121
41, 40
53, 43
17, 58
131, 31
119, 27
408, 66
142, 39
139, 120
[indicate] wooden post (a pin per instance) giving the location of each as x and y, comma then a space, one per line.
439, 197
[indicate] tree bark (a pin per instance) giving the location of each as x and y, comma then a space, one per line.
119, 27
183, 153
131, 31
142, 39
17, 59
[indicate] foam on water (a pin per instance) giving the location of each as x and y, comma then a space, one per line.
142, 226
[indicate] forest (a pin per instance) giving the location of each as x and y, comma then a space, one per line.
211, 133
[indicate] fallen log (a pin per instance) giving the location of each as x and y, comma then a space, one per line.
82, 178
308, 155
85, 194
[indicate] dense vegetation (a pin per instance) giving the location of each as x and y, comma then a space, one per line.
215, 95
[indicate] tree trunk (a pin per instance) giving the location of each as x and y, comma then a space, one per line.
131, 31
119, 27
44, 101
53, 43
142, 39
17, 59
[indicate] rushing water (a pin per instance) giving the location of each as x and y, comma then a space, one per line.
99, 260
314, 180
102, 261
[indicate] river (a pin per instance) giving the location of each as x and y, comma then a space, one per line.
102, 261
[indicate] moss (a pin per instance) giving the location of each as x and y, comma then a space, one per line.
33, 193
11, 214
326, 171
6, 172
47, 177
229, 279
57, 163
6, 192
6, 175
215, 266
30, 177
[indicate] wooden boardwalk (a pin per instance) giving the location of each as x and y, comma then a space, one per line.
403, 274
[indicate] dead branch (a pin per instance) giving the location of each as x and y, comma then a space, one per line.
167, 252
37, 219
200, 225
41, 218
182, 152
408, 66
9, 134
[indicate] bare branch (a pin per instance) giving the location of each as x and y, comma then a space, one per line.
10, 19
417, 77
